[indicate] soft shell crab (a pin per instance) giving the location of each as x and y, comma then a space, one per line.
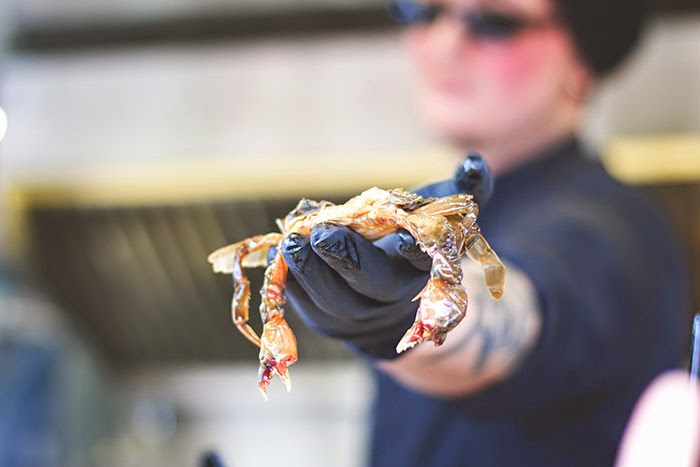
444, 228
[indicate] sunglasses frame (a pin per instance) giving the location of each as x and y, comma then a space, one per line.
479, 23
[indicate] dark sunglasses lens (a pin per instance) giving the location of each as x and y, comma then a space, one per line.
493, 25
411, 12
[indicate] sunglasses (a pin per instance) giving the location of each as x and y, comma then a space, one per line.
480, 23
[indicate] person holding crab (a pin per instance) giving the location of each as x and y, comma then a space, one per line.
596, 294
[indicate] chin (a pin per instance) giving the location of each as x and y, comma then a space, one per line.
456, 123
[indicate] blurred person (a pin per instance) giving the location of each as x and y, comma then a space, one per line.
595, 295
55, 405
28, 361
664, 428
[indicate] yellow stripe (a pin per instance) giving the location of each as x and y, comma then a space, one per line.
143, 184
652, 159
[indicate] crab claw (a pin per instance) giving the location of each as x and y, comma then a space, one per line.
442, 307
278, 350
268, 369
419, 332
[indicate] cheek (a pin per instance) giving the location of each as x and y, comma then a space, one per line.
530, 67
422, 58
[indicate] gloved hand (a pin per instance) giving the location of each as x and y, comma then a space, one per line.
347, 287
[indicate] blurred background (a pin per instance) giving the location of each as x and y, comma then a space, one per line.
143, 135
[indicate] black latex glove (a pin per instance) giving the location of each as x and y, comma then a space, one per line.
345, 286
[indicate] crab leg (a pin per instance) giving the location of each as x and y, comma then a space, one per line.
232, 259
223, 258
241, 303
478, 248
442, 307
460, 203
277, 352
278, 347
443, 300
494, 271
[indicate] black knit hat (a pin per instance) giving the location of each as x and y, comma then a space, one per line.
604, 31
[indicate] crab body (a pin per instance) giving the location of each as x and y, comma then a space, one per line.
444, 228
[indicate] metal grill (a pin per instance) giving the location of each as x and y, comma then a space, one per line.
136, 282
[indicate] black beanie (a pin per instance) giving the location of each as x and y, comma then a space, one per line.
604, 31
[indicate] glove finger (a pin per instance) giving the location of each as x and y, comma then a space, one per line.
402, 244
381, 318
365, 267
471, 176
312, 315
323, 285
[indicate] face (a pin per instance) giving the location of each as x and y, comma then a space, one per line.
476, 89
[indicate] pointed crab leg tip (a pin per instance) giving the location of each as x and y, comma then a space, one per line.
263, 391
404, 346
419, 294
408, 342
286, 380
496, 294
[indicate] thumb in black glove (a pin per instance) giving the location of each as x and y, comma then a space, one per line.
472, 176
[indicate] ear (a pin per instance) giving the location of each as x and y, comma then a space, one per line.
579, 82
